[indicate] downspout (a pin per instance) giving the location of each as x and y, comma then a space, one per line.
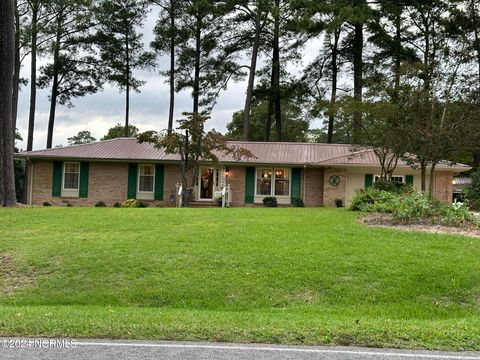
304, 183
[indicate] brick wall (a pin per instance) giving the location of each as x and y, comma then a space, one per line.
444, 186
236, 179
42, 183
331, 193
312, 186
107, 182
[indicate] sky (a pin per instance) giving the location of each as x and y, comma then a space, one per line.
148, 109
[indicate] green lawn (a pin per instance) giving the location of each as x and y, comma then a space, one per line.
300, 276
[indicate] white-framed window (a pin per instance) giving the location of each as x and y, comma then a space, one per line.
146, 178
71, 175
273, 182
395, 178
264, 181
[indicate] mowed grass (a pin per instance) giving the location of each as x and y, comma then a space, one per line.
299, 276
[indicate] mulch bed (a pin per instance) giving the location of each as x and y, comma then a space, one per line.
386, 221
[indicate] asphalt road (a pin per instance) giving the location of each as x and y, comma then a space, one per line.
38, 349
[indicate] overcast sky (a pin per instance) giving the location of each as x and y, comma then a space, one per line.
148, 109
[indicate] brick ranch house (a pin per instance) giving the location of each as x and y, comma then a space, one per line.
116, 170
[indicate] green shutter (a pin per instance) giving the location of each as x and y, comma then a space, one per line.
57, 179
159, 180
249, 184
132, 181
296, 176
409, 180
368, 180
84, 170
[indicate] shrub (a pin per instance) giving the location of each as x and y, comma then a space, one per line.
69, 205
373, 200
339, 203
100, 204
270, 201
46, 203
392, 186
117, 205
142, 204
411, 207
415, 206
472, 192
455, 215
420, 206
297, 202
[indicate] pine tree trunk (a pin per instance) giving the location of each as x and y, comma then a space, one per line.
172, 69
127, 85
268, 121
196, 76
33, 75
276, 73
476, 25
55, 83
16, 75
333, 97
358, 81
7, 59
398, 53
251, 79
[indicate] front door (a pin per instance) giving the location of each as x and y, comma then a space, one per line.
207, 183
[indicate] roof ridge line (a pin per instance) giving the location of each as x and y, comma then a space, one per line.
78, 145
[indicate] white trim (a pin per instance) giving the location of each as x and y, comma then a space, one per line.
63, 176
138, 179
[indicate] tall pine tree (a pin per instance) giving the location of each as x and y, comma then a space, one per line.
121, 47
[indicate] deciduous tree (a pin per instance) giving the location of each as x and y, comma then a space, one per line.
193, 144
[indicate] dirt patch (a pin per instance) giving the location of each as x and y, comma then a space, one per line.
11, 279
386, 221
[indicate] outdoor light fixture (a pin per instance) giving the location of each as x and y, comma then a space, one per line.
226, 172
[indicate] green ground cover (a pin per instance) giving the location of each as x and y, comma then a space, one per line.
285, 275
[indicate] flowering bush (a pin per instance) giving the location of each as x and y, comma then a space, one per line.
412, 207
132, 203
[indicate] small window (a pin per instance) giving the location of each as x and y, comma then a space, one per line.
264, 182
146, 175
71, 176
397, 179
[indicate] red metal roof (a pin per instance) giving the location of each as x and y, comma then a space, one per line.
312, 154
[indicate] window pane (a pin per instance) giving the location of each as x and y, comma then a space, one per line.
146, 170
71, 181
71, 176
282, 183
146, 183
264, 187
72, 168
264, 182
